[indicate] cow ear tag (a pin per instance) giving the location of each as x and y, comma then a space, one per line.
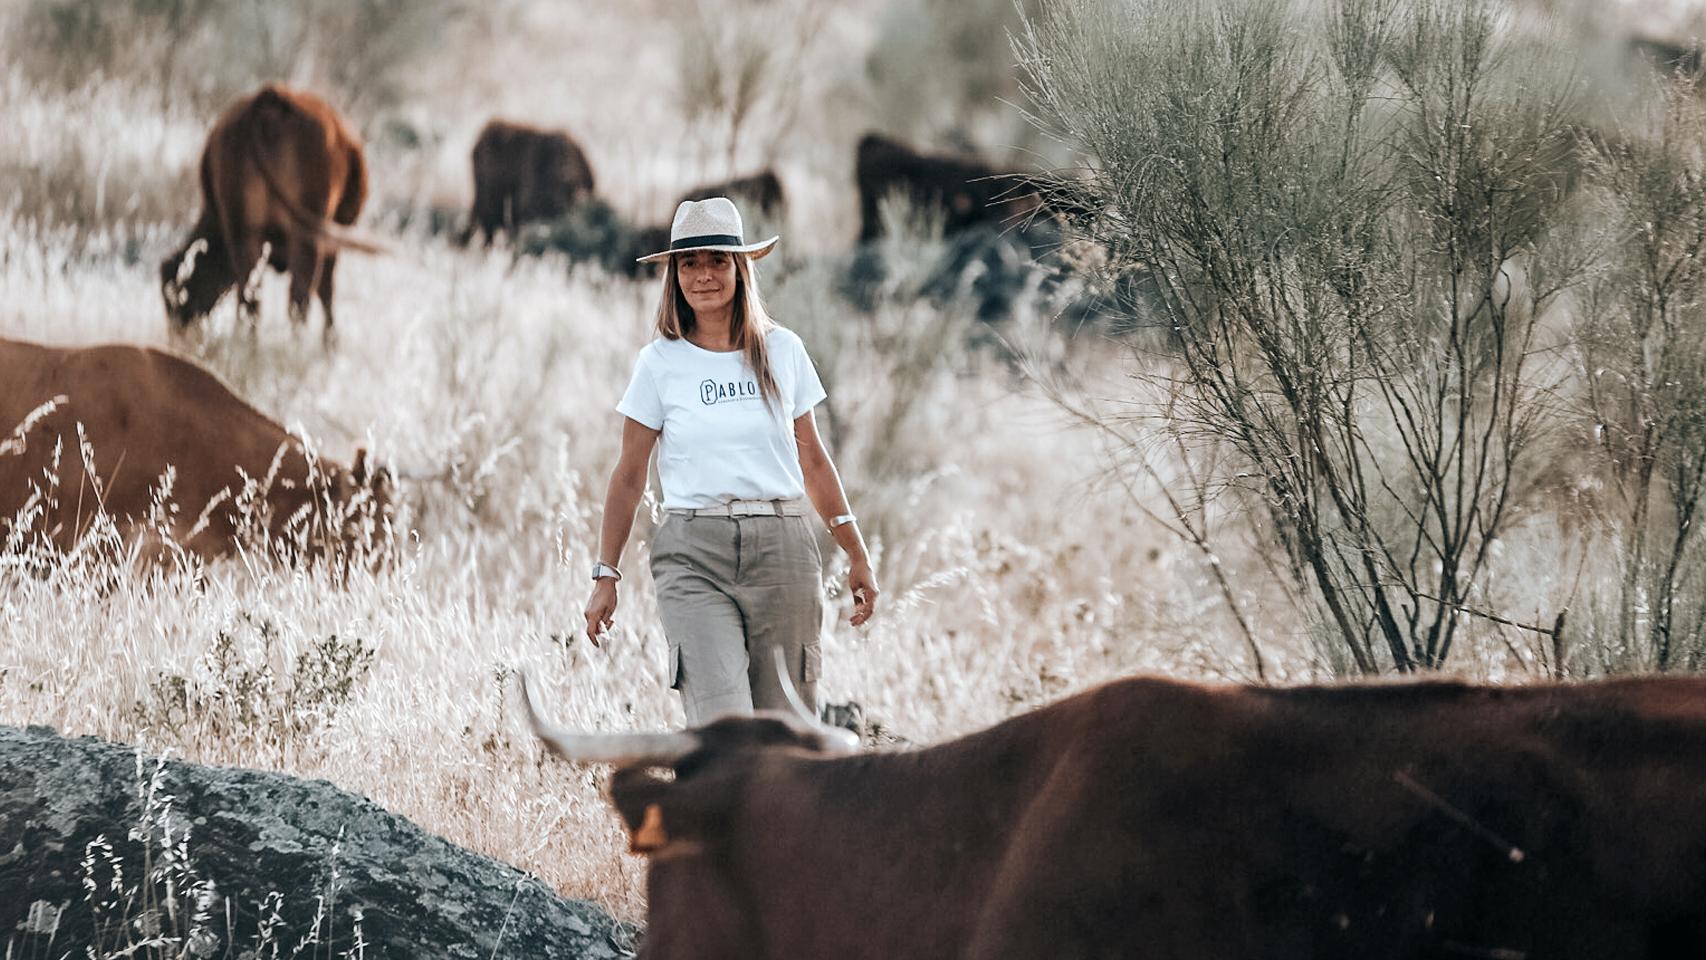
649, 836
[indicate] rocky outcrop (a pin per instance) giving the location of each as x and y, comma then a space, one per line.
102, 847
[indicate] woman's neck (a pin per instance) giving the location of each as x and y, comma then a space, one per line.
713, 330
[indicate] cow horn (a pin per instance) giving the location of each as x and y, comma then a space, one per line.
836, 739
622, 749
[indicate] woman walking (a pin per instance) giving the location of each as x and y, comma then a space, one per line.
727, 395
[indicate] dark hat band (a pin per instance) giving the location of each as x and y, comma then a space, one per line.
707, 240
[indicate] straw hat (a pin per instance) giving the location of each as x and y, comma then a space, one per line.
712, 224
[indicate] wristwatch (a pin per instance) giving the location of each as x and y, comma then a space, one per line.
601, 570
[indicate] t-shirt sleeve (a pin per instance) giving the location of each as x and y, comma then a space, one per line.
642, 402
808, 389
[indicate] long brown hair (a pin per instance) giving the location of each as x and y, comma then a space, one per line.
748, 325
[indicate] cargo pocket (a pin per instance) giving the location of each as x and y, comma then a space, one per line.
811, 663
675, 668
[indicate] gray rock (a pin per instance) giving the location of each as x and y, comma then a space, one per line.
103, 848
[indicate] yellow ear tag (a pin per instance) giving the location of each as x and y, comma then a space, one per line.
650, 836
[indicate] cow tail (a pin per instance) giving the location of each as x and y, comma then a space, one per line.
355, 189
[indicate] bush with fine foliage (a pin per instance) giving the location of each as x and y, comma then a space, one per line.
1353, 232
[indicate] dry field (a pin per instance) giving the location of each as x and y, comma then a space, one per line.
1017, 566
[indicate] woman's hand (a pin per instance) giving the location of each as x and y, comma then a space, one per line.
862, 583
600, 608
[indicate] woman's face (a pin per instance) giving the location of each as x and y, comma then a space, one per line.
707, 279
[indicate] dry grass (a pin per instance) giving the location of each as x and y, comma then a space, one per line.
1004, 587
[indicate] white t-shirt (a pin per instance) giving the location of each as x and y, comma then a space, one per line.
720, 440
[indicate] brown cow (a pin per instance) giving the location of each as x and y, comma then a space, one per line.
143, 411
761, 192
523, 174
965, 192
1172, 821
280, 169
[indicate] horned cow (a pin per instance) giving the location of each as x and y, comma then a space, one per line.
1166, 820
142, 412
281, 172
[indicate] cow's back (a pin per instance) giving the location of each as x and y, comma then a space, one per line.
141, 412
35, 419
1354, 822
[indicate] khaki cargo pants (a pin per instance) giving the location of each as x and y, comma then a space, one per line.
730, 590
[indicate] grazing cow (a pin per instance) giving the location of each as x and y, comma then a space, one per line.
143, 411
964, 192
1172, 821
281, 169
524, 174
761, 192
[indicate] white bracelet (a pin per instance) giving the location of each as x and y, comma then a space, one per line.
844, 518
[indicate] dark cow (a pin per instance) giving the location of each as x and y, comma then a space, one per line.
141, 412
965, 192
281, 169
524, 174
1172, 821
759, 193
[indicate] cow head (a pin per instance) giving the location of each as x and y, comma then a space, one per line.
669, 817
316, 509
191, 281
367, 493
356, 511
678, 815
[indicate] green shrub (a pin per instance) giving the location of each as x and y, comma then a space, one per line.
248, 684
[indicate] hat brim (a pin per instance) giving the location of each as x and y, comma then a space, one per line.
754, 251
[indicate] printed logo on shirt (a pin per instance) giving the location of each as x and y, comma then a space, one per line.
721, 391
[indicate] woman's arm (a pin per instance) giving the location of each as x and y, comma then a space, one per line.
823, 486
627, 486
